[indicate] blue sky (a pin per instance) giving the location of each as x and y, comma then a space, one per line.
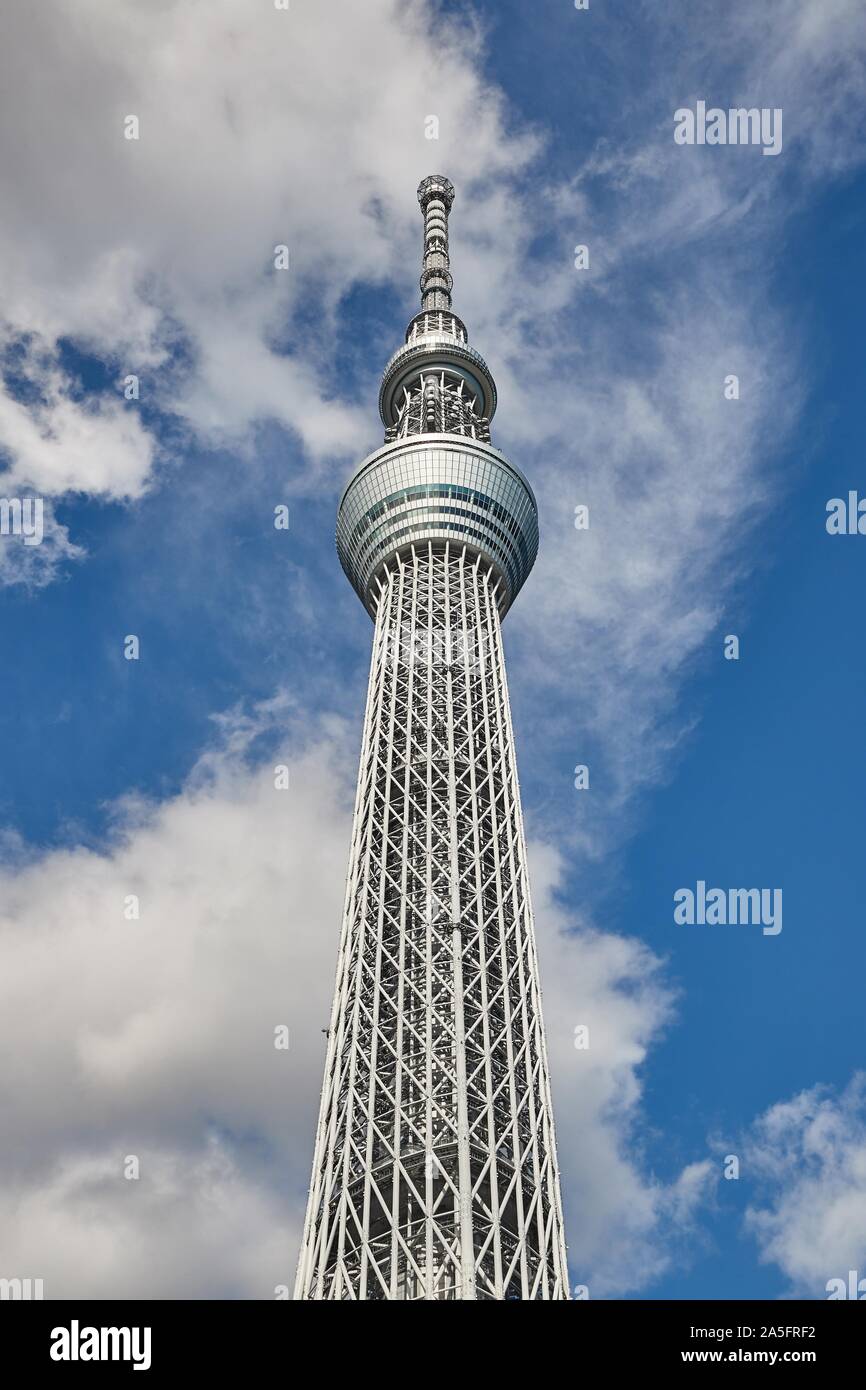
707, 518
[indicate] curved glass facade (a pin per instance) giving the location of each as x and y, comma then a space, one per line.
437, 488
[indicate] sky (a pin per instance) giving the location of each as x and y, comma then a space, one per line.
154, 778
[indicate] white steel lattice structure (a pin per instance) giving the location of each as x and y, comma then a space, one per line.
435, 1172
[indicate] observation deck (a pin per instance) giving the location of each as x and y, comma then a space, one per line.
437, 479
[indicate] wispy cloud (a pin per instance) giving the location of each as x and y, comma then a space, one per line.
614, 388
625, 1225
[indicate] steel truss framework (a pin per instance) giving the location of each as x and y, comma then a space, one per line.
435, 1174
436, 404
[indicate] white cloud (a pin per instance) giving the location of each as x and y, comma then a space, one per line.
807, 1157
35, 554
194, 1225
57, 440
257, 128
623, 1224
154, 1038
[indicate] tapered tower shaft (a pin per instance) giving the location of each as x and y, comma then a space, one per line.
435, 1173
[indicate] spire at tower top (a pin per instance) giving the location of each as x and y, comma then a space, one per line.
435, 194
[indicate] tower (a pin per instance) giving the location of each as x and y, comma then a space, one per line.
435, 1172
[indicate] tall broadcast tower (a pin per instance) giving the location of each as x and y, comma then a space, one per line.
435, 1172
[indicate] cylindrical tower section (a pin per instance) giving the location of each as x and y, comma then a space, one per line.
437, 489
